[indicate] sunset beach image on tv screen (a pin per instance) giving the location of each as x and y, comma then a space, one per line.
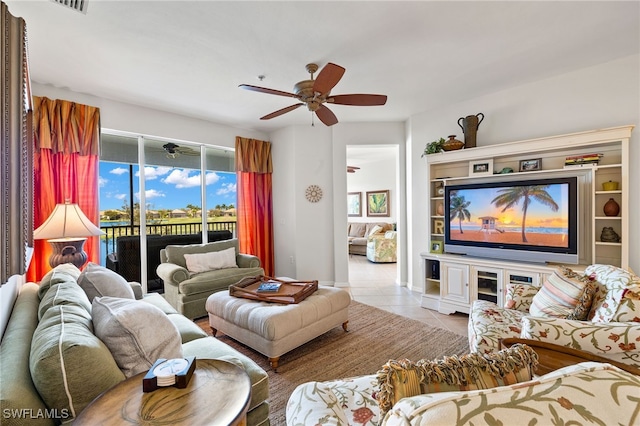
536, 215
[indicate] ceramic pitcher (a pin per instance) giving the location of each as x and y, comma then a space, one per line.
469, 126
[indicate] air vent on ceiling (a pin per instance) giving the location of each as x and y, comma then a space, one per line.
77, 5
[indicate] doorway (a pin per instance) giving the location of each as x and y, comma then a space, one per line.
372, 170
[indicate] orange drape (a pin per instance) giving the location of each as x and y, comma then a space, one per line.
255, 205
66, 139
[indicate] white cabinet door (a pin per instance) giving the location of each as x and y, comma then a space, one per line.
454, 285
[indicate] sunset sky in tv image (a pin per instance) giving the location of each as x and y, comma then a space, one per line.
538, 215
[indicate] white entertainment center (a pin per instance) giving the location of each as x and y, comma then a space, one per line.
453, 282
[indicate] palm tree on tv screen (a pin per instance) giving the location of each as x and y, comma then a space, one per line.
512, 196
459, 210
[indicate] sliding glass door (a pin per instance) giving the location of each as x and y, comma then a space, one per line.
175, 189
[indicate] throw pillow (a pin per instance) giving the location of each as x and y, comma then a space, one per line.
64, 293
612, 282
375, 230
403, 378
98, 281
563, 294
69, 365
136, 333
202, 262
62, 272
357, 229
629, 309
520, 296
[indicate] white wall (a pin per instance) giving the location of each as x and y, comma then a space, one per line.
314, 233
302, 157
605, 95
375, 176
284, 205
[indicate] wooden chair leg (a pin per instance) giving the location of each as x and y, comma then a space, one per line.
345, 326
274, 363
213, 331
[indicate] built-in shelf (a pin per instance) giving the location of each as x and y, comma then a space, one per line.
448, 292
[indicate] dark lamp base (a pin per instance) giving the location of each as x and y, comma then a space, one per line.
68, 251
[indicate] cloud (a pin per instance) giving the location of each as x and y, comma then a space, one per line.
119, 171
120, 196
102, 181
211, 178
151, 173
182, 179
227, 188
150, 193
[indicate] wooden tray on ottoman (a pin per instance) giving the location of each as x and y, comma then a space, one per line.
289, 291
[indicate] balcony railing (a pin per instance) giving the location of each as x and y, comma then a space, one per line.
112, 232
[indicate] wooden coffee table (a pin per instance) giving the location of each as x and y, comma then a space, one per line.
552, 357
217, 394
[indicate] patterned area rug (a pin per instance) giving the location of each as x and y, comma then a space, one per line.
375, 336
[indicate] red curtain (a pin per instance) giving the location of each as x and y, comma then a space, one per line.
66, 139
255, 205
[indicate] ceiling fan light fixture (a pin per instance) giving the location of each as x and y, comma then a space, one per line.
315, 93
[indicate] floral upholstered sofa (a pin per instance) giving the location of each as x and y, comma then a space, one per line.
597, 312
496, 388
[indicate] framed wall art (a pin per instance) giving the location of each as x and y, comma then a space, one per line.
378, 203
354, 204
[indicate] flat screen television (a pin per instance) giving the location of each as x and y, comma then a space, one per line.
534, 220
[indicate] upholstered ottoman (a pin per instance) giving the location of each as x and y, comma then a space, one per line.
274, 329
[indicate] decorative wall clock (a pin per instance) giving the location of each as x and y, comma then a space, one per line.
313, 193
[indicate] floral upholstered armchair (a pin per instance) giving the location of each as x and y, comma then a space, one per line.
381, 247
597, 312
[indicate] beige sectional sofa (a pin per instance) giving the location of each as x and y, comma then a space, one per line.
53, 363
358, 234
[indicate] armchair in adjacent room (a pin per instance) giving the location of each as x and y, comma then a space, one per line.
381, 247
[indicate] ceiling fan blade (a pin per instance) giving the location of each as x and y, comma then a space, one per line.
329, 76
326, 116
358, 100
187, 151
266, 90
280, 112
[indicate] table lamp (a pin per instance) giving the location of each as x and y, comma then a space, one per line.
66, 230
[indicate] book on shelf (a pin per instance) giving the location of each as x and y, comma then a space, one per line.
579, 165
269, 287
584, 157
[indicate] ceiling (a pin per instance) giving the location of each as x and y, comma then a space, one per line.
188, 57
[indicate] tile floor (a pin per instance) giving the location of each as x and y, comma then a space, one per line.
374, 284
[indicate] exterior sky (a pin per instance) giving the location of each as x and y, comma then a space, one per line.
538, 215
165, 187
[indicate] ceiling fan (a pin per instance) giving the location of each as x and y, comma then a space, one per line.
315, 93
173, 150
352, 169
